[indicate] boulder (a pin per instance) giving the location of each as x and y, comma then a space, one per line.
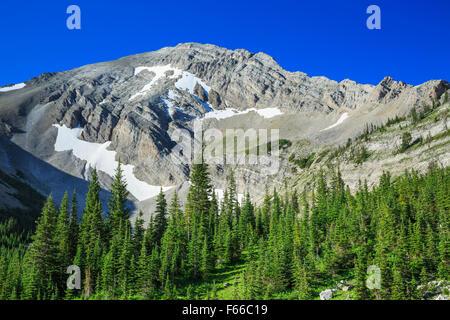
326, 294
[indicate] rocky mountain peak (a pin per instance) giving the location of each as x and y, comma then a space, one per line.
133, 105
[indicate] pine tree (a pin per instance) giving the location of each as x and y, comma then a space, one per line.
108, 275
123, 272
138, 234
160, 217
142, 274
92, 235
197, 213
173, 243
398, 284
43, 253
198, 203
246, 222
360, 275
62, 235
118, 212
206, 266
301, 281
73, 226
30, 278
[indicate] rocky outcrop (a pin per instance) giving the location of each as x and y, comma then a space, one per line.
215, 100
342, 285
435, 290
326, 294
200, 92
5, 129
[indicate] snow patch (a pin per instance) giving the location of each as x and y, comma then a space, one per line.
97, 156
160, 72
188, 81
221, 114
13, 87
266, 113
172, 95
340, 121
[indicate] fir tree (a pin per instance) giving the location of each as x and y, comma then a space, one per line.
118, 211
64, 258
44, 252
73, 226
160, 217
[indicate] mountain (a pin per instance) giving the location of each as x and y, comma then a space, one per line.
56, 127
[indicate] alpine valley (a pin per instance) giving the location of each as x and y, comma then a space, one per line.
363, 180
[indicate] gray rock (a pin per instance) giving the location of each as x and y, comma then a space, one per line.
326, 294
200, 92
434, 289
342, 283
215, 100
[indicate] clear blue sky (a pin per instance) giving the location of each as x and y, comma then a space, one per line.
318, 37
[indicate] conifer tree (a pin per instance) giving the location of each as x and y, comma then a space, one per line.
44, 251
173, 242
301, 281
360, 275
138, 234
63, 241
142, 274
108, 275
92, 235
160, 217
118, 212
73, 226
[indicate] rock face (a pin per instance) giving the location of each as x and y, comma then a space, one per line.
200, 92
137, 103
215, 100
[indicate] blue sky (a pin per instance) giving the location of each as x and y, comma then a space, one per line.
319, 37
